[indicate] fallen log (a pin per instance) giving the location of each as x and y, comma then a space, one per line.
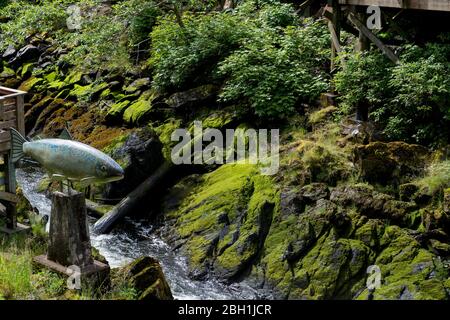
107, 222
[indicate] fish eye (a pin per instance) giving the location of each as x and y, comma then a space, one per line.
103, 168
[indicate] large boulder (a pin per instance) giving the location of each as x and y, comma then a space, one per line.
372, 203
139, 154
221, 224
390, 163
146, 276
27, 53
192, 97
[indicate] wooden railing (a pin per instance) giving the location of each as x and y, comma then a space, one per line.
11, 116
436, 5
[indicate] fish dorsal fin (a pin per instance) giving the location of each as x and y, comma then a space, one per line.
35, 138
65, 134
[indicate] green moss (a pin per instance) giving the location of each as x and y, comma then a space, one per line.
29, 84
226, 217
117, 109
7, 73
137, 110
73, 77
52, 76
321, 115
164, 131
26, 69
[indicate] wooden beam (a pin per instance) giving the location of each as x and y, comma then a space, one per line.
388, 52
10, 197
435, 5
20, 123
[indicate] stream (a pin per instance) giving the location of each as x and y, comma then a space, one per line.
133, 239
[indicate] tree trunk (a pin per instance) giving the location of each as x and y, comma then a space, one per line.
69, 234
107, 222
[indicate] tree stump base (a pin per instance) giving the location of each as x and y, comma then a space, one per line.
94, 276
20, 228
69, 250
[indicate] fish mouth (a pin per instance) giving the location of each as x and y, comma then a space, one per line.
115, 178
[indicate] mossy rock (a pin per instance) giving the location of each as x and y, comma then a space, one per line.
137, 85
225, 220
30, 84
146, 276
409, 272
117, 109
391, 163
136, 111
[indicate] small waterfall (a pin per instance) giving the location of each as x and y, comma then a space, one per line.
133, 239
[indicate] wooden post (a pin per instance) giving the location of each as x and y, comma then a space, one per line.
335, 28
10, 187
363, 43
20, 117
70, 244
69, 236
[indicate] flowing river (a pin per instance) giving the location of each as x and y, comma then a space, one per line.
133, 239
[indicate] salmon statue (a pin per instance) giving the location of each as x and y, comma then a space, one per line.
64, 159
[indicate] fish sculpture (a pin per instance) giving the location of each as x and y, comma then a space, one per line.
64, 159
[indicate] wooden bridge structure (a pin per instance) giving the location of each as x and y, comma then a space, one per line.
11, 116
351, 16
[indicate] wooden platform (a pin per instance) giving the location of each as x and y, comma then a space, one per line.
435, 5
19, 229
11, 116
95, 275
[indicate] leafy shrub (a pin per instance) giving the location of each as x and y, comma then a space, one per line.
25, 18
409, 100
187, 54
139, 16
100, 45
273, 71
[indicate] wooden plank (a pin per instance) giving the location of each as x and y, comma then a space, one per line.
5, 135
20, 123
10, 186
388, 52
434, 5
7, 196
8, 115
5, 146
5, 125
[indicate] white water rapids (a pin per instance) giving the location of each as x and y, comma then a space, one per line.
131, 240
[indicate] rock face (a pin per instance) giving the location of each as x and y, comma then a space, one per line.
310, 242
139, 155
223, 223
27, 53
390, 163
147, 277
186, 99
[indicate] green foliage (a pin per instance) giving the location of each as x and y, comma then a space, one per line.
25, 18
185, 54
140, 16
363, 80
274, 71
93, 49
437, 177
410, 100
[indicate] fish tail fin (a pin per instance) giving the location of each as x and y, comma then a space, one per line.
17, 141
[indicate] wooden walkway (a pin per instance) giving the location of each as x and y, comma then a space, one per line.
435, 5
